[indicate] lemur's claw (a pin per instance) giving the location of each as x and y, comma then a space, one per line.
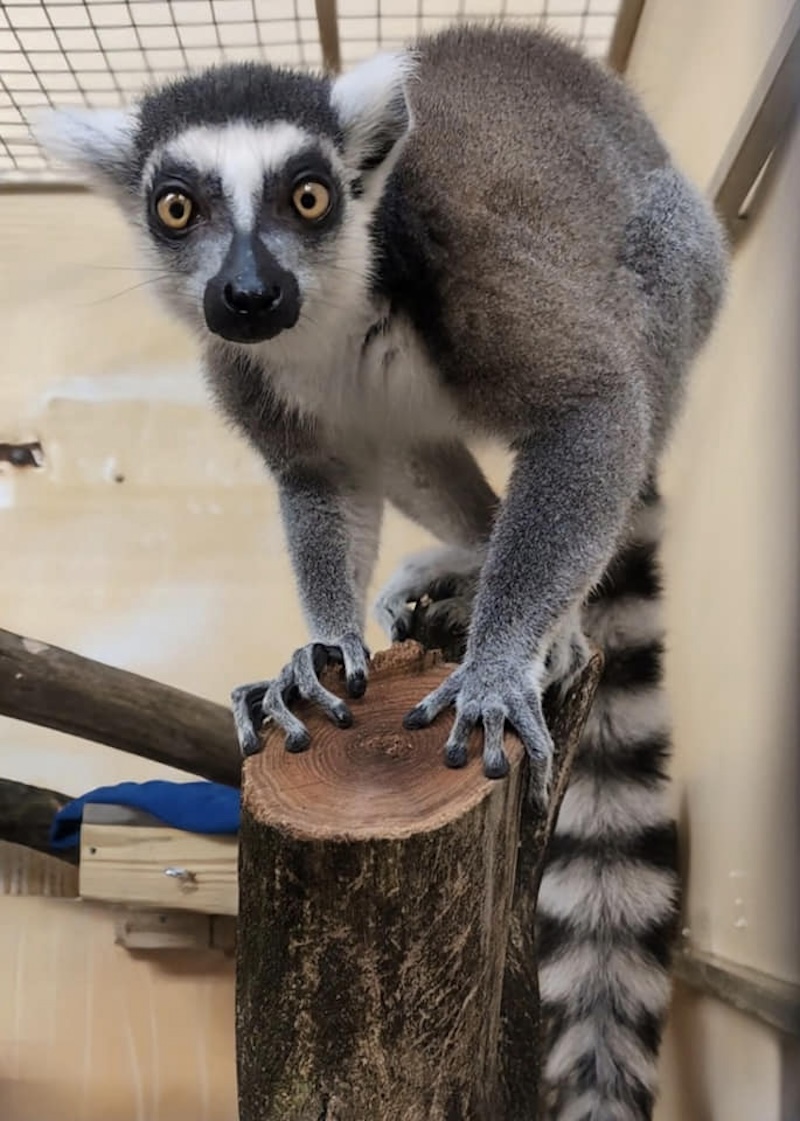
246, 702
268, 701
492, 697
401, 627
357, 684
297, 741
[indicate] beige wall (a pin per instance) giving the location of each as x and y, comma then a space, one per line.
91, 1032
732, 567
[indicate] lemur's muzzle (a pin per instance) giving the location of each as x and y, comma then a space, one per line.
252, 298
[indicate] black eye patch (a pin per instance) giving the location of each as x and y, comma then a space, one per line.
310, 163
205, 191
307, 166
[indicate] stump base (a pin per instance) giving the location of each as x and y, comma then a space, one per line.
375, 895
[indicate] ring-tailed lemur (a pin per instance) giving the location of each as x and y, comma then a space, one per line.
480, 237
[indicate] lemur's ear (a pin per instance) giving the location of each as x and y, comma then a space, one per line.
98, 142
371, 104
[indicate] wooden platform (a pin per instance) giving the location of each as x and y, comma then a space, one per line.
128, 858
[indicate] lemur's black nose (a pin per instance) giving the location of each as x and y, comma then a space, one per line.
249, 298
253, 297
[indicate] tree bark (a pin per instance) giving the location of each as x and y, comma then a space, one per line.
521, 1033
375, 977
55, 688
26, 814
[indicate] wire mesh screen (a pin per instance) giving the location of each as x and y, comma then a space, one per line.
101, 53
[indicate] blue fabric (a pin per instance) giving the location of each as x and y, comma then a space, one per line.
197, 807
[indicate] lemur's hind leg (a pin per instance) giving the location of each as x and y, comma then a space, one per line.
445, 575
676, 247
568, 653
442, 488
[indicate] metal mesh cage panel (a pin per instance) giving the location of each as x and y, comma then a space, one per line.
101, 53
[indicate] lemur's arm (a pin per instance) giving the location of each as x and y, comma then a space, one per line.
331, 504
575, 476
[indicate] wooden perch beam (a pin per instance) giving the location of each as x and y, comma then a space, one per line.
385, 960
54, 688
26, 814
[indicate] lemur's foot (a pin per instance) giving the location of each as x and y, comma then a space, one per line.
493, 695
268, 701
447, 576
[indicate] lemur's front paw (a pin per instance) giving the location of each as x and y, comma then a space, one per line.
493, 696
446, 575
266, 701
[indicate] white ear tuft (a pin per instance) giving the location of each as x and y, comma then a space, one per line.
371, 104
99, 142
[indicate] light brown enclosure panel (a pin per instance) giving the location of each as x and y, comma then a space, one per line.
92, 1032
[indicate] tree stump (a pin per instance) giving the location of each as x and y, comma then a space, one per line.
521, 1027
382, 971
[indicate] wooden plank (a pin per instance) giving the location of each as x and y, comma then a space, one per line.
223, 934
25, 871
159, 867
99, 813
175, 930
774, 1001
162, 930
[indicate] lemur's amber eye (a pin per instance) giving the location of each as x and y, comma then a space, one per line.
175, 210
311, 200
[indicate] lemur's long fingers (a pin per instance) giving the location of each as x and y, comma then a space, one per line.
246, 702
306, 664
526, 718
495, 760
356, 658
429, 707
349, 652
274, 708
455, 750
493, 717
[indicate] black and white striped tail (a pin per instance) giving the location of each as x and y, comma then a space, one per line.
607, 906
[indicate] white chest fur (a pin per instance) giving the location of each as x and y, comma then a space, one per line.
376, 383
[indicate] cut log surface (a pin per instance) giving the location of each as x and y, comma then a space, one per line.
375, 890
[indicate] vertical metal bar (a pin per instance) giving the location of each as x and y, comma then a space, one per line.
328, 24
628, 17
766, 119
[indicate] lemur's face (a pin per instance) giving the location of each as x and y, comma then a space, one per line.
253, 188
252, 224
